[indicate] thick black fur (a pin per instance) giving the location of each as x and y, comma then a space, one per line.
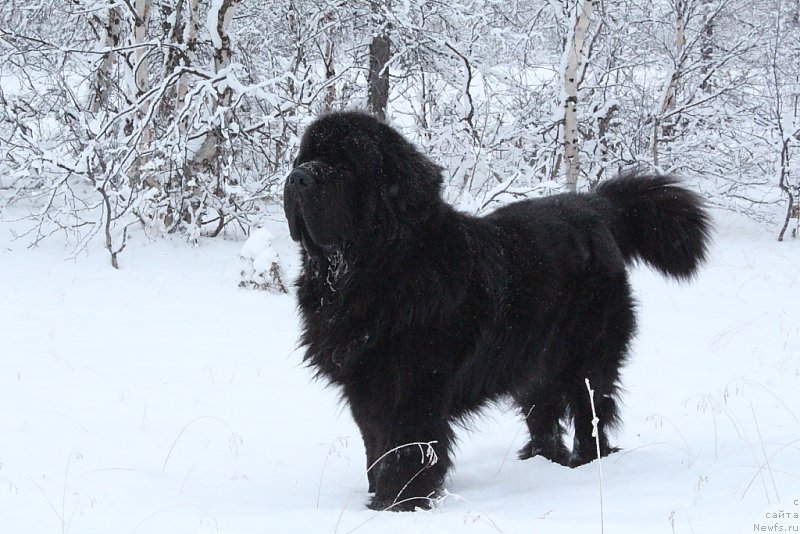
422, 315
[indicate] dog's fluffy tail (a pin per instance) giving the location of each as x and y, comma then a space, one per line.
656, 220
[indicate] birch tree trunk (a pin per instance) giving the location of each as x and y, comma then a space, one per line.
190, 30
707, 44
667, 100
218, 22
573, 57
330, 74
205, 166
139, 83
378, 84
787, 117
328, 58
222, 44
141, 72
112, 39
173, 19
172, 15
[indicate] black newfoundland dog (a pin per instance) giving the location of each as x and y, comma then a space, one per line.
423, 315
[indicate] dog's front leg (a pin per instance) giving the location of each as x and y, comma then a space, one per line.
410, 472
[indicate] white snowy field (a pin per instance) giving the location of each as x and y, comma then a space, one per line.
164, 399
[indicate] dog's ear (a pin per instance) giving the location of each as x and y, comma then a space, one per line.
412, 182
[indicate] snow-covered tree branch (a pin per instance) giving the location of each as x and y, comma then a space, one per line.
180, 116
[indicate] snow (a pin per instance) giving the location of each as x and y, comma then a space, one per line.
162, 398
269, 258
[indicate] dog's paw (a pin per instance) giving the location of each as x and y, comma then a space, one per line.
559, 455
576, 460
401, 505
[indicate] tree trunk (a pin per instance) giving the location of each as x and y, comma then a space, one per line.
207, 157
222, 45
139, 84
667, 100
570, 67
113, 36
329, 51
173, 20
190, 36
707, 44
378, 83
141, 67
791, 211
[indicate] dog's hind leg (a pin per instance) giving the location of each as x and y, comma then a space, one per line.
543, 415
601, 351
584, 447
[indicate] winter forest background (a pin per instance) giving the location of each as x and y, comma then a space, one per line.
160, 398
183, 116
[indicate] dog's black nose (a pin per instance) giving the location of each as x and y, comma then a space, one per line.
299, 179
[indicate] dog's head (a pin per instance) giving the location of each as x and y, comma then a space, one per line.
356, 179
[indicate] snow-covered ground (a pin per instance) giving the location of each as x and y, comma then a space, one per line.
162, 398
